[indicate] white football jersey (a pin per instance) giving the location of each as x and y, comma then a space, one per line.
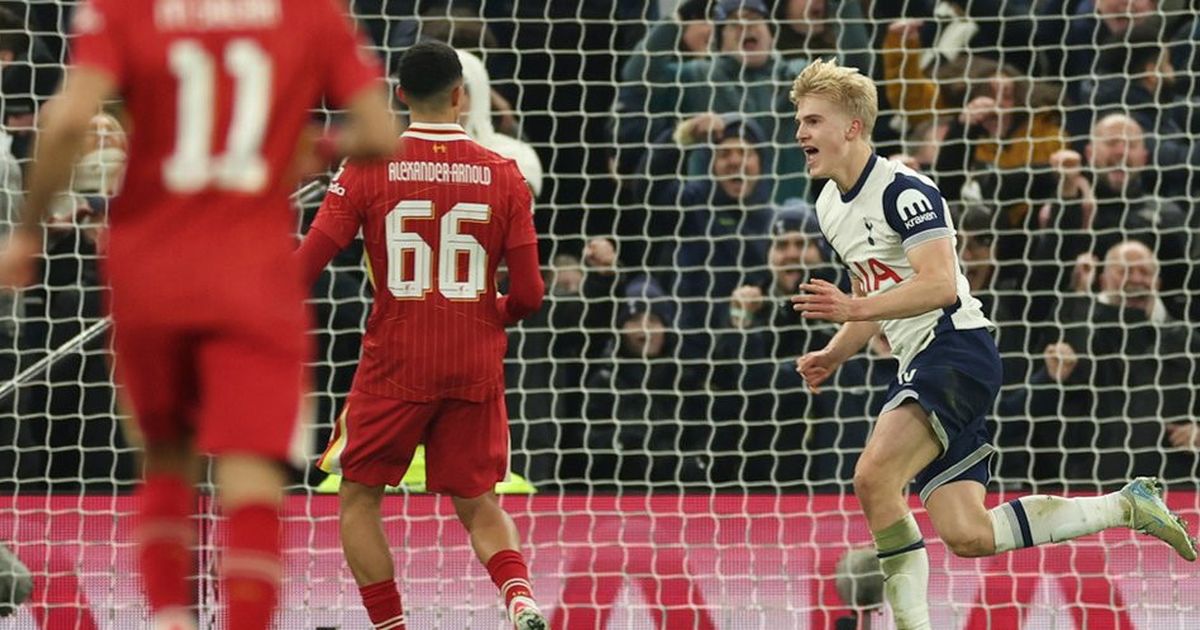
892, 209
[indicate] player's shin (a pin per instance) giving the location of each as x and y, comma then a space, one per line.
165, 536
251, 567
905, 566
1039, 519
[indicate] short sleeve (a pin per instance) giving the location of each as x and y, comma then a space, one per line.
520, 222
349, 66
916, 211
340, 215
94, 39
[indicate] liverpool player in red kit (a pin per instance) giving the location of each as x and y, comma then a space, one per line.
207, 302
436, 221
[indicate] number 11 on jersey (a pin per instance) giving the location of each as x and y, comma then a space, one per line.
242, 168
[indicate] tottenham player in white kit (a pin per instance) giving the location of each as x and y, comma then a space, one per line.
889, 225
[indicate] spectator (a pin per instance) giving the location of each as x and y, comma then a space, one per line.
999, 29
759, 402
28, 77
462, 25
717, 224
477, 114
632, 427
839, 417
995, 151
1121, 370
1094, 26
1002, 127
72, 416
1106, 204
1004, 300
643, 111
745, 77
922, 145
916, 87
814, 29
1011, 129
544, 373
1139, 79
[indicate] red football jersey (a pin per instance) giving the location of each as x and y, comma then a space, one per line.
436, 220
218, 93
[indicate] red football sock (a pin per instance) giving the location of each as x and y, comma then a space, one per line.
251, 567
382, 601
510, 574
165, 536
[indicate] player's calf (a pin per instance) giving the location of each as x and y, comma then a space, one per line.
976, 543
496, 541
961, 520
251, 488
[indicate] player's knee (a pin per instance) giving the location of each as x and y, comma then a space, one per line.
872, 482
970, 543
482, 510
358, 504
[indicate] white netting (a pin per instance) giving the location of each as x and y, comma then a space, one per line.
685, 478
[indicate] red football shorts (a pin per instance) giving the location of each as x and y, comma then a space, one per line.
225, 391
466, 443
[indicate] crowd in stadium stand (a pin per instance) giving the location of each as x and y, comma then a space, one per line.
676, 219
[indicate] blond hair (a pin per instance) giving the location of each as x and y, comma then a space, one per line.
850, 90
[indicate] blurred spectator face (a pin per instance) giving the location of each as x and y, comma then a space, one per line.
805, 16
745, 35
791, 253
1117, 151
568, 275
736, 166
821, 128
697, 36
643, 335
102, 164
1130, 277
977, 260
925, 142
1120, 15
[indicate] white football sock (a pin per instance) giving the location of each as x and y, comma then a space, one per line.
905, 568
1039, 519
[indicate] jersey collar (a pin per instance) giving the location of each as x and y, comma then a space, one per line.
435, 131
849, 195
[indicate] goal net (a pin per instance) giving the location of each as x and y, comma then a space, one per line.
673, 471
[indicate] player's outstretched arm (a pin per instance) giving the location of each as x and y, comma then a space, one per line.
64, 127
817, 366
